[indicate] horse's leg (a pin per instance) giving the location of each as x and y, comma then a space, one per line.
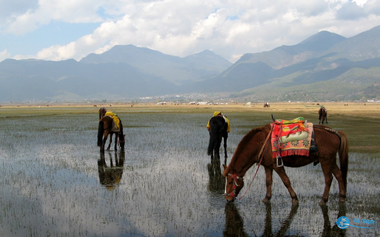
225, 150
338, 175
116, 138
326, 168
268, 182
105, 135
326, 119
109, 145
285, 179
217, 148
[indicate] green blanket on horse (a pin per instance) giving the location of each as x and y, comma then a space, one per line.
291, 137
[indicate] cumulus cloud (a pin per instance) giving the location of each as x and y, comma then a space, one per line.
4, 55
228, 27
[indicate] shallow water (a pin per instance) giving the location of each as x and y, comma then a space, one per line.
54, 183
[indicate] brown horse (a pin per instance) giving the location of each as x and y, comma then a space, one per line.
322, 115
328, 141
102, 112
266, 105
106, 128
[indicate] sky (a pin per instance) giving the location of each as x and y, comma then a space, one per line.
71, 29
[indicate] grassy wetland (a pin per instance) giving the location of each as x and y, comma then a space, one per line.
55, 182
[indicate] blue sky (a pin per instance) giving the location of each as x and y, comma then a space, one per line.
61, 29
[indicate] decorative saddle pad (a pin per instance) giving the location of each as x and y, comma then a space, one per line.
291, 137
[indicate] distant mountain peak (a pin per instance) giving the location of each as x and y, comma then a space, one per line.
323, 40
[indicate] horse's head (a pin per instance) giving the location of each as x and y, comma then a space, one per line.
234, 184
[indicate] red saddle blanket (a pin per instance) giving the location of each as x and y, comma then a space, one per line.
291, 137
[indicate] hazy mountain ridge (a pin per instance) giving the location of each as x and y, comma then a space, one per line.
313, 66
172, 68
325, 66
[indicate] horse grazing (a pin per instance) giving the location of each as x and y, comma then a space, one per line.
106, 128
322, 115
253, 148
218, 130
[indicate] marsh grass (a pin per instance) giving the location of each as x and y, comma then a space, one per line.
50, 182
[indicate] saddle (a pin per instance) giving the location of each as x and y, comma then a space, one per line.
115, 121
291, 137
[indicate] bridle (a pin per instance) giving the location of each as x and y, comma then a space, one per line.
235, 184
235, 177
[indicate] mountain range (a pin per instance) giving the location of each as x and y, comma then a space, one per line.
325, 66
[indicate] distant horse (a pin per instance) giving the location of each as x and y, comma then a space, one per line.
322, 115
266, 105
218, 130
106, 128
102, 112
328, 141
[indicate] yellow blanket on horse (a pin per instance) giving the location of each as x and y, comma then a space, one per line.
291, 137
115, 119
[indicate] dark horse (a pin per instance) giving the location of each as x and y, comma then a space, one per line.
322, 115
328, 141
218, 130
105, 129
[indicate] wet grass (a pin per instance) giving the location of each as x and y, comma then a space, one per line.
51, 182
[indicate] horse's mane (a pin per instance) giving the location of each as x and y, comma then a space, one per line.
246, 139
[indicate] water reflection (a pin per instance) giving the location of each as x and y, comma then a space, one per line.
110, 174
234, 221
335, 230
216, 180
235, 224
284, 225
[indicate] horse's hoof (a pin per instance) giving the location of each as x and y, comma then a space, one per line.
295, 202
342, 200
266, 200
322, 203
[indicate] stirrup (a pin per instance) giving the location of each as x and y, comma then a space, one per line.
279, 161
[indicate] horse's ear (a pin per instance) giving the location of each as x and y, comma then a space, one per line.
225, 172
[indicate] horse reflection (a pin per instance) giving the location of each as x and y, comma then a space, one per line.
335, 230
216, 179
235, 223
110, 174
284, 225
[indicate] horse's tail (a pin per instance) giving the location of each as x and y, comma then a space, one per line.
121, 134
214, 136
343, 157
121, 128
100, 132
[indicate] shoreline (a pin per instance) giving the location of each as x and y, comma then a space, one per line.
366, 110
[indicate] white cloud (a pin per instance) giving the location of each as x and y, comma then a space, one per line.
4, 55
228, 27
